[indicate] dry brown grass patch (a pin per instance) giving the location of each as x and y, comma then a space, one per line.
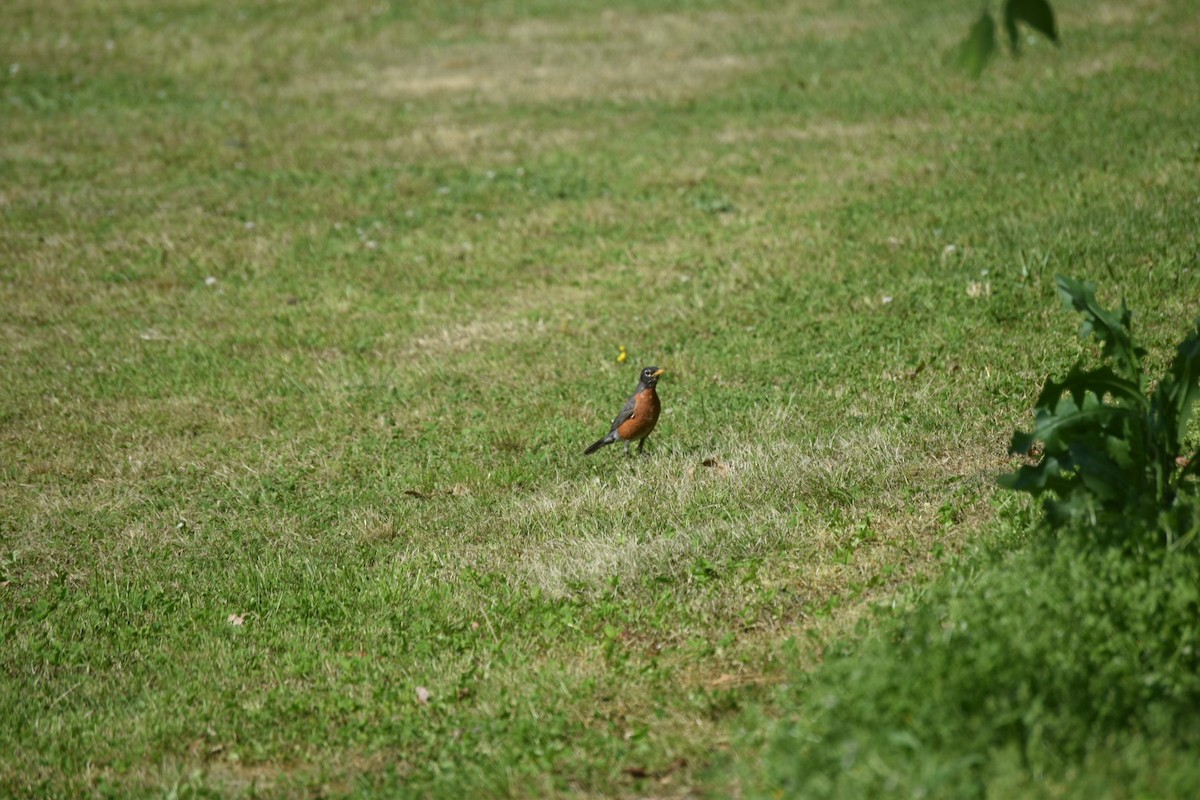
615, 56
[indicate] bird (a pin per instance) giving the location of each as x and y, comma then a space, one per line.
637, 418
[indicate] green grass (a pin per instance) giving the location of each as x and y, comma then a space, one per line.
309, 310
1058, 670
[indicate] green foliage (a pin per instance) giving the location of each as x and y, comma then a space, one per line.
1079, 655
980, 45
1013, 671
1111, 452
977, 49
1037, 14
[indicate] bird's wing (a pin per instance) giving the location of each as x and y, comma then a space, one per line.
626, 412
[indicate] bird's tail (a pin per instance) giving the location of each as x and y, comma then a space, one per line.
596, 445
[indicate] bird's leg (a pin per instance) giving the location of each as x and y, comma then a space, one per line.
641, 444
626, 448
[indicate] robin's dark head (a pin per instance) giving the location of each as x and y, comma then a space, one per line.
650, 375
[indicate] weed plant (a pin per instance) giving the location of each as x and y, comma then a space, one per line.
1069, 666
1112, 450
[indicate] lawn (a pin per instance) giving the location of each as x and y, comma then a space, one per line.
308, 310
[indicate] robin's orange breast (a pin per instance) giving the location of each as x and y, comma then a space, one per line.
645, 416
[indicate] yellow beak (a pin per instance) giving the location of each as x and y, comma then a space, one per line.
660, 372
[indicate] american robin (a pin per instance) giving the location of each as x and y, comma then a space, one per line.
638, 417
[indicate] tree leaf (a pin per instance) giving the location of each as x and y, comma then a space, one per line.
1037, 14
1010, 27
979, 46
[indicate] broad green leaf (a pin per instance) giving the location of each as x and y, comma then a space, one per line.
1097, 381
1098, 472
1075, 505
1121, 451
1021, 443
1046, 474
1037, 14
1177, 393
977, 49
1112, 330
1057, 429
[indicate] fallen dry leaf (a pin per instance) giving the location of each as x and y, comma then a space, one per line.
423, 695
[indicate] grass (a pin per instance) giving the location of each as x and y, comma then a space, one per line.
307, 312
1057, 670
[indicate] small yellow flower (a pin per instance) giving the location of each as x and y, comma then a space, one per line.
621, 356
